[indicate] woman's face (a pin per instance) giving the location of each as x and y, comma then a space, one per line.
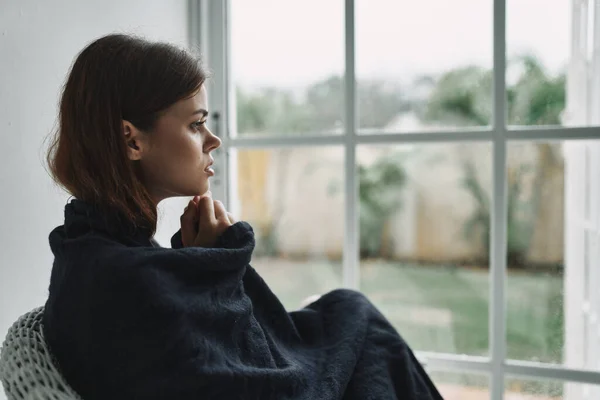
176, 156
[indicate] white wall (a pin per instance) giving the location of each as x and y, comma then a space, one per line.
38, 41
582, 195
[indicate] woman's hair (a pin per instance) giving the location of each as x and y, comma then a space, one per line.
117, 77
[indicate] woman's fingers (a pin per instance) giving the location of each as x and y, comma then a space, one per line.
213, 220
232, 219
188, 224
220, 211
206, 210
195, 201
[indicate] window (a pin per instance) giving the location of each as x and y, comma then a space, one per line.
443, 157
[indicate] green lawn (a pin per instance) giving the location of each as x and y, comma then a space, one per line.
439, 308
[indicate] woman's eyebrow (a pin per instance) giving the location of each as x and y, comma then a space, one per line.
201, 111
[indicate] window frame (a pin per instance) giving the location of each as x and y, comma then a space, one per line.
209, 24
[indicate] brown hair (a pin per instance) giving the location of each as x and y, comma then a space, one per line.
115, 78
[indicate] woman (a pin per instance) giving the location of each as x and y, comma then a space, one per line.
127, 319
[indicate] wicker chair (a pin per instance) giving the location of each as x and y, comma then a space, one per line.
27, 369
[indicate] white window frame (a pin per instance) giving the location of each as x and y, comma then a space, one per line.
209, 24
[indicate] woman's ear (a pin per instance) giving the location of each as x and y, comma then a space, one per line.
133, 140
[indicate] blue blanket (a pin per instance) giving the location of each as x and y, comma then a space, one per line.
129, 320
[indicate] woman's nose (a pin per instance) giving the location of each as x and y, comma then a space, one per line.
213, 142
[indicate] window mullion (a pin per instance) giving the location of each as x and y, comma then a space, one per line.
214, 16
351, 271
497, 319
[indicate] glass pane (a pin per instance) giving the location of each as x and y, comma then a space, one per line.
521, 389
461, 386
287, 61
553, 78
424, 241
294, 200
423, 65
553, 302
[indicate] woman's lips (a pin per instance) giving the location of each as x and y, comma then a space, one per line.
209, 170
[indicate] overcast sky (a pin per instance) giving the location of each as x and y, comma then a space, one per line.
293, 42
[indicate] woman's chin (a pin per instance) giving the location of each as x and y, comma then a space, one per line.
203, 189
195, 190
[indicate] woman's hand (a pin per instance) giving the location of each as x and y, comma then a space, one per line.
204, 221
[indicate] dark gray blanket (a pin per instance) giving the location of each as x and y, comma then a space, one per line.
127, 320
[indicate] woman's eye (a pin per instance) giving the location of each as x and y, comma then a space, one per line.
197, 125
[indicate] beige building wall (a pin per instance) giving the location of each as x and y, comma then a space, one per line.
297, 194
